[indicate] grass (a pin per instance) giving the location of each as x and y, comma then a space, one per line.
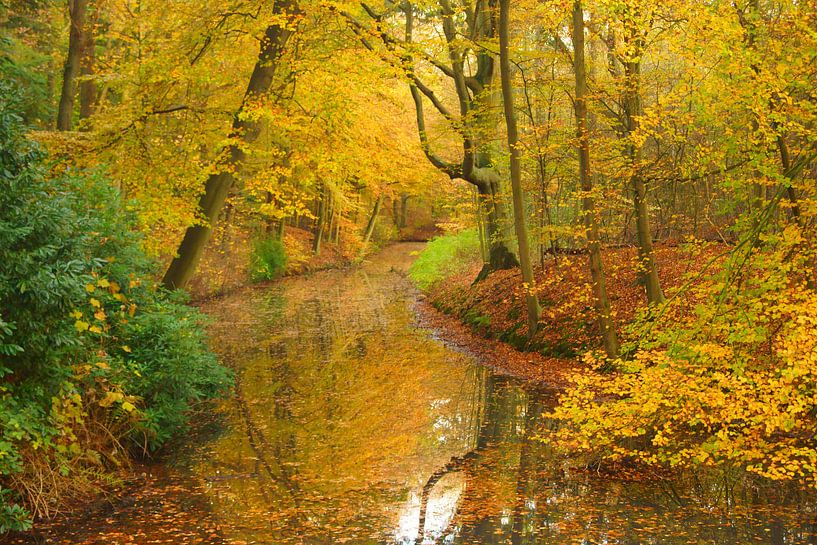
445, 256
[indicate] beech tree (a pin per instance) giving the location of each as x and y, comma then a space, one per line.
520, 221
246, 129
470, 72
78, 12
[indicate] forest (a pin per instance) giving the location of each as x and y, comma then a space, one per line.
329, 271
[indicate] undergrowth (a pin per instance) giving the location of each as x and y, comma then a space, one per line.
268, 260
96, 362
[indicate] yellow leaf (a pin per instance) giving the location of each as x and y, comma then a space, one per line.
128, 406
111, 398
126, 348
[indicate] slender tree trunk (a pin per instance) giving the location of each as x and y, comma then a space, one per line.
404, 199
483, 250
321, 220
336, 235
227, 232
77, 10
367, 235
791, 193
605, 317
647, 266
520, 224
231, 162
87, 87
332, 218
269, 223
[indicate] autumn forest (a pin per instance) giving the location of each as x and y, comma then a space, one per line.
433, 271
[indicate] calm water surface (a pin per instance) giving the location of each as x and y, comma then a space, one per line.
354, 425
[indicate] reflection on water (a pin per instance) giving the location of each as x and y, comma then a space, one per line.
351, 425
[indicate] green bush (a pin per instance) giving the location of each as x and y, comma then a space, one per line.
93, 355
445, 256
268, 260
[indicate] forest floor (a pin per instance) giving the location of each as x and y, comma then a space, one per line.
495, 308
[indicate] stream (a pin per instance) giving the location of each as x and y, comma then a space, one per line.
353, 424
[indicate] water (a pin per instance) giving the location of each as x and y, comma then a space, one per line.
352, 424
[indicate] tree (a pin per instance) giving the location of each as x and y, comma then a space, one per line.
77, 11
520, 224
589, 212
470, 70
634, 38
246, 129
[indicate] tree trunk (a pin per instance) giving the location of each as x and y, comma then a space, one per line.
316, 243
519, 222
367, 236
231, 162
499, 256
77, 10
647, 266
404, 199
336, 233
605, 317
87, 87
483, 249
269, 224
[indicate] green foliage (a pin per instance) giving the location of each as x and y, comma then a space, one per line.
445, 256
22, 65
268, 259
174, 368
87, 341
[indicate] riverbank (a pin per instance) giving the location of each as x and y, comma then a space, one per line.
494, 308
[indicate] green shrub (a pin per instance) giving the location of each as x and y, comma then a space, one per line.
93, 355
268, 260
445, 256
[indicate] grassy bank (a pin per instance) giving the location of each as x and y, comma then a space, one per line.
495, 307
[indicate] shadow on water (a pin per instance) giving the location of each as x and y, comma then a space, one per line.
351, 425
